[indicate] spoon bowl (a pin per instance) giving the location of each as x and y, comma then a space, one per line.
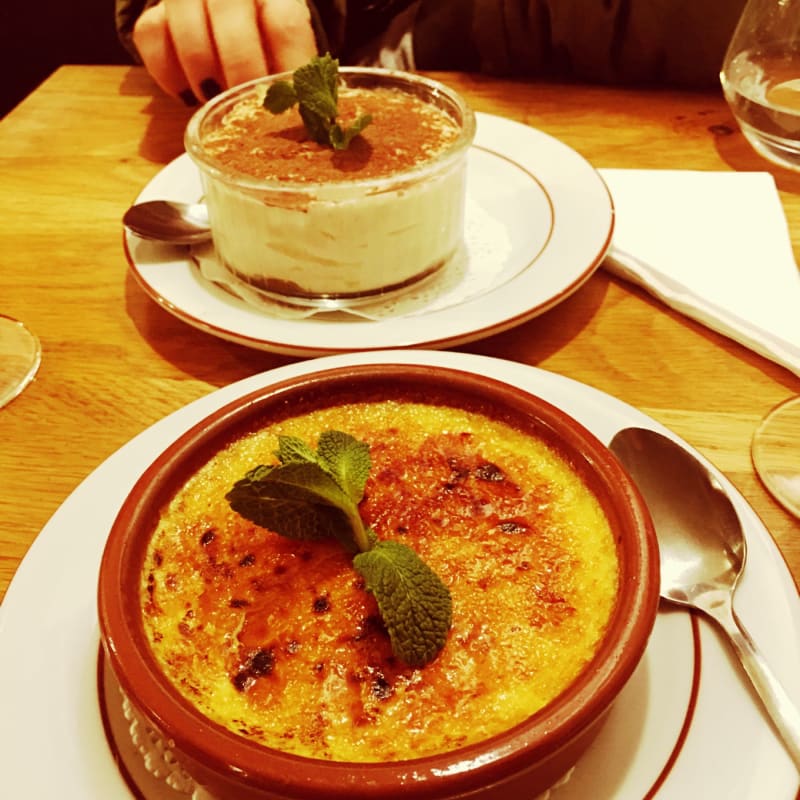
169, 221
703, 552
702, 545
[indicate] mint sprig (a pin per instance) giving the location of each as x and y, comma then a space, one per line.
314, 494
315, 87
414, 603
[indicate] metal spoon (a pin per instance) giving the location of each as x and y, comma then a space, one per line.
703, 552
167, 221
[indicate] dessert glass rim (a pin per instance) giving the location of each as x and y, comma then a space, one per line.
197, 152
527, 743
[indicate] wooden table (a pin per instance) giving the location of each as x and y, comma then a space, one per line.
76, 152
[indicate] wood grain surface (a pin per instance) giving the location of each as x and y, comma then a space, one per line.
76, 152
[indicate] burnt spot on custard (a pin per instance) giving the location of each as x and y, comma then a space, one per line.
380, 688
257, 664
370, 625
517, 525
262, 662
186, 625
458, 474
374, 680
243, 680
321, 604
551, 608
489, 472
208, 537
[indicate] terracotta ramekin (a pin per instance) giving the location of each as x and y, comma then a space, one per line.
519, 763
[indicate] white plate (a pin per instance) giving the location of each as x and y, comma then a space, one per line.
686, 726
539, 220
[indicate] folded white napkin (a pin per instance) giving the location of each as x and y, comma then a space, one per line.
714, 246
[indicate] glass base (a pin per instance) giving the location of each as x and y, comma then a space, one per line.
779, 150
776, 454
20, 356
272, 291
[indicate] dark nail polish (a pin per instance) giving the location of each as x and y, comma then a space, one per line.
210, 88
188, 98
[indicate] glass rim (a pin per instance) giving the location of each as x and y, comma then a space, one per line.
241, 180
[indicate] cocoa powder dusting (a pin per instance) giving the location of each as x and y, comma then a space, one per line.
404, 132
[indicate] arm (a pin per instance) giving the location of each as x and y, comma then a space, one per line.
670, 42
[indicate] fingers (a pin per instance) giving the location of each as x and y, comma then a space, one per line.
190, 30
195, 48
235, 31
153, 41
287, 33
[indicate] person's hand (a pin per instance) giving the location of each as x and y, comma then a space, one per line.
195, 48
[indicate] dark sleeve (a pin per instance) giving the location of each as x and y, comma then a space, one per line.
670, 42
126, 14
328, 18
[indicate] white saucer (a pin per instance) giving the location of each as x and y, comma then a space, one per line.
686, 726
539, 221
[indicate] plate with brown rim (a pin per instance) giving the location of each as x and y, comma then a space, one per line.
686, 725
538, 222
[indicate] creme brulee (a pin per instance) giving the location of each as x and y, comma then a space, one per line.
278, 641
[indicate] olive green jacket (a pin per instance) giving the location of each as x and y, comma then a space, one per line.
669, 42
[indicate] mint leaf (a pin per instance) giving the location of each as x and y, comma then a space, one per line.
342, 456
298, 500
347, 460
290, 449
315, 86
340, 139
291, 518
314, 494
318, 127
297, 480
280, 97
414, 603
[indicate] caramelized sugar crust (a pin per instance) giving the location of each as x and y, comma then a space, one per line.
278, 640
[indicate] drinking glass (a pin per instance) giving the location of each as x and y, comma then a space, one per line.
761, 79
776, 453
20, 355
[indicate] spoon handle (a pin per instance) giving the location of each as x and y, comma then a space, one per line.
783, 712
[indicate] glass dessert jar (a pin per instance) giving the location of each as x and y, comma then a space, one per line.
303, 223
